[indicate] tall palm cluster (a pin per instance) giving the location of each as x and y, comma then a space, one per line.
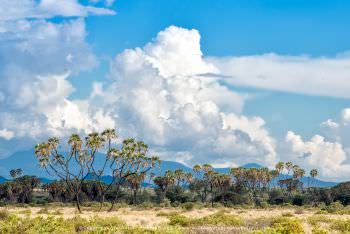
212, 186
126, 164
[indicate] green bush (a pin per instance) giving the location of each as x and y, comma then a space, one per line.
167, 214
217, 219
180, 220
188, 206
175, 204
320, 212
264, 204
334, 207
283, 226
146, 205
316, 219
318, 230
292, 227
287, 214
299, 200
4, 214
341, 225
43, 211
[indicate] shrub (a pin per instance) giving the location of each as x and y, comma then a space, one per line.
315, 220
334, 207
57, 212
146, 205
299, 200
287, 214
217, 219
4, 214
321, 212
341, 225
165, 203
289, 227
43, 211
167, 214
320, 205
175, 204
25, 212
345, 210
188, 206
264, 204
180, 220
299, 211
318, 230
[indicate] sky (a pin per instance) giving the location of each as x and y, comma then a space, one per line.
223, 82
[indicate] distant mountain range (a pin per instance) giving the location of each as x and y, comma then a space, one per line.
27, 161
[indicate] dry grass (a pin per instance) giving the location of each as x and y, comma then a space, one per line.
159, 217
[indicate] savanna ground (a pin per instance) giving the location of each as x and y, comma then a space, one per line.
65, 219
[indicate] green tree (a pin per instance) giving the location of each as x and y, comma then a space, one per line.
74, 167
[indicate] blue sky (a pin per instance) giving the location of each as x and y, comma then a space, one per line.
230, 27
224, 82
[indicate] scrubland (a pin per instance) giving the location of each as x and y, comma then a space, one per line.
60, 218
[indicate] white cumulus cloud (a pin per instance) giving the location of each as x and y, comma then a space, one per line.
37, 58
29, 9
158, 96
330, 158
329, 152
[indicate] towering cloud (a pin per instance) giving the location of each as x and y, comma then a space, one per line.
157, 95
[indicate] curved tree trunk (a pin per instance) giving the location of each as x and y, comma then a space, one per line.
77, 201
102, 200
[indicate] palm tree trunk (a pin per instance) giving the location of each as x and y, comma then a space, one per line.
78, 203
115, 199
102, 200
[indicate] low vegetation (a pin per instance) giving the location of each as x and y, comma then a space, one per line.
172, 220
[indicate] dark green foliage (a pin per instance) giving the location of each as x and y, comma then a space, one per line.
19, 190
299, 200
341, 192
276, 197
178, 194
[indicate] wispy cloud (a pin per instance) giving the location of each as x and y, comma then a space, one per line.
321, 76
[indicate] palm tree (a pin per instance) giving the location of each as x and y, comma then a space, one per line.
109, 135
42, 151
189, 177
279, 167
164, 182
16, 173
134, 181
131, 159
94, 141
288, 166
179, 176
75, 142
196, 169
313, 174
207, 167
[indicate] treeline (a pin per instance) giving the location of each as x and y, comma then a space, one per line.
132, 179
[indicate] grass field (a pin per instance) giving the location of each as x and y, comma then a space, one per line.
57, 219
